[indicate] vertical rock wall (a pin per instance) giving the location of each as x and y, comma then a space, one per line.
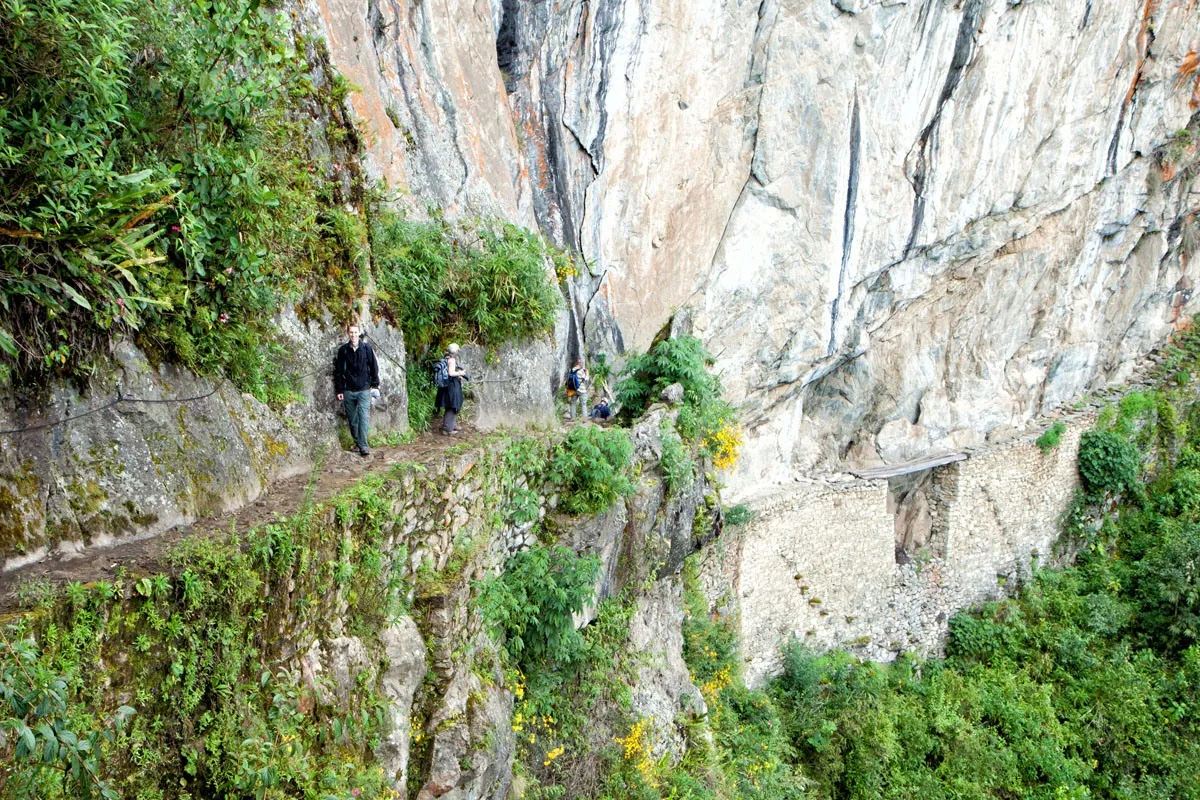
953, 214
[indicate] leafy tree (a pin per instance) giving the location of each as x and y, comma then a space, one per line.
42, 746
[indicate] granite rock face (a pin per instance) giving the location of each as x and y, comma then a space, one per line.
957, 215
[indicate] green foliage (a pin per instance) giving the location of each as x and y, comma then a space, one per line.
591, 467
1050, 439
568, 714
750, 755
705, 418
601, 373
154, 183
1081, 686
42, 746
439, 287
1107, 461
739, 515
422, 394
198, 655
681, 360
1181, 497
678, 468
529, 606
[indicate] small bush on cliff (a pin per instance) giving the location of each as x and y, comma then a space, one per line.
1107, 461
739, 515
681, 360
591, 469
440, 284
677, 468
706, 418
530, 605
1052, 436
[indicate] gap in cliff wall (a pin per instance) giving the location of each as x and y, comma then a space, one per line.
879, 566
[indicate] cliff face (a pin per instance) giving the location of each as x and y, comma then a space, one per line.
900, 226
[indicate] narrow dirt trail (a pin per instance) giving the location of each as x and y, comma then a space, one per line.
337, 471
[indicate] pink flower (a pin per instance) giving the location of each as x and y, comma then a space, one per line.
356, 793
223, 318
175, 228
229, 270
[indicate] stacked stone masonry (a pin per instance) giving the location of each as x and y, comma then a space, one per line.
823, 562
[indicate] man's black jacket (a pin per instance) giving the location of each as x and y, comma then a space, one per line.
355, 369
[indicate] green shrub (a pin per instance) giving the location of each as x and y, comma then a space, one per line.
45, 752
681, 360
438, 288
1107, 462
705, 418
591, 469
1182, 496
739, 515
530, 605
154, 184
1164, 581
1050, 439
750, 756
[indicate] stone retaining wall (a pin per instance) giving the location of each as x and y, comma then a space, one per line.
820, 561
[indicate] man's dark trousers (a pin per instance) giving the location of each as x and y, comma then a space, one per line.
357, 404
355, 374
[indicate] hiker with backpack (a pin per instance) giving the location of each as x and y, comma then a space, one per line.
448, 378
576, 384
356, 382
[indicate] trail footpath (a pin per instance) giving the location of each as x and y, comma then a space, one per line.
337, 470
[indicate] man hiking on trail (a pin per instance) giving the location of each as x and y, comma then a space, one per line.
356, 381
448, 378
576, 385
